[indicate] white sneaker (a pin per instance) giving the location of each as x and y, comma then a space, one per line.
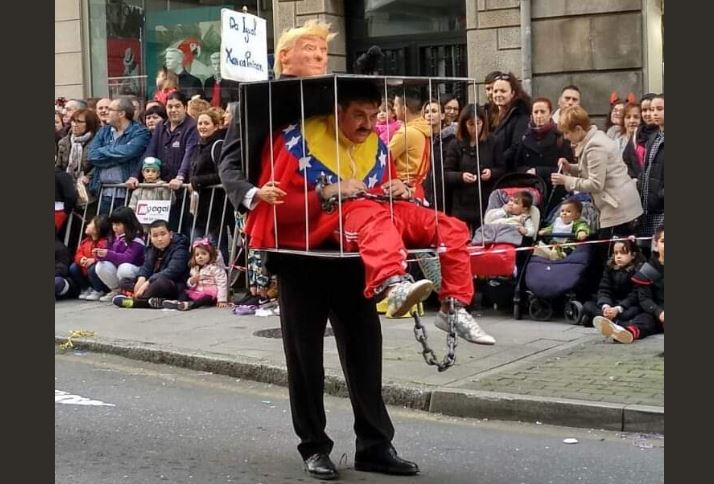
109, 296
85, 293
404, 295
612, 330
93, 295
466, 327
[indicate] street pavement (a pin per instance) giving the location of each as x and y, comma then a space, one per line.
549, 372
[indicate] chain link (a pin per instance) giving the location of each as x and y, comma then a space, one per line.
427, 352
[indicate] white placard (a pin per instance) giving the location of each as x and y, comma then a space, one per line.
149, 210
244, 46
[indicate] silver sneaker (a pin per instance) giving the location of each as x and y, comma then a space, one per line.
466, 327
109, 296
404, 295
612, 330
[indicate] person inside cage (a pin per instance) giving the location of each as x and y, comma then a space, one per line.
360, 186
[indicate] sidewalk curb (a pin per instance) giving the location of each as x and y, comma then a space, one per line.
451, 402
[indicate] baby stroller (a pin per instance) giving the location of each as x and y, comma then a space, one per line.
495, 263
550, 281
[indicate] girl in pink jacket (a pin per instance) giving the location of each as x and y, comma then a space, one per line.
207, 282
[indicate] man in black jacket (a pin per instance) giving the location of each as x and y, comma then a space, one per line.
163, 274
308, 295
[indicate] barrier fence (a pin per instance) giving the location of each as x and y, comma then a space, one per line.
186, 213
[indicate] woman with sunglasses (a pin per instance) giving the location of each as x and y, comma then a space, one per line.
514, 112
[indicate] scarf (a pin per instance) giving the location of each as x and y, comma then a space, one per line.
74, 164
541, 132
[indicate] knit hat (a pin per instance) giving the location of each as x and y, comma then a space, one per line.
151, 162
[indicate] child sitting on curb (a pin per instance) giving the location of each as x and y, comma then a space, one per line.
649, 284
208, 282
83, 270
163, 274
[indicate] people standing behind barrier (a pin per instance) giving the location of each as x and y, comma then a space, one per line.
102, 110
451, 108
207, 282
155, 116
514, 113
473, 163
410, 146
83, 269
163, 273
600, 172
651, 178
115, 153
173, 142
166, 82
634, 153
207, 203
59, 129
73, 149
435, 192
65, 197
197, 106
615, 125
569, 96
649, 286
490, 108
616, 298
123, 257
542, 146
387, 122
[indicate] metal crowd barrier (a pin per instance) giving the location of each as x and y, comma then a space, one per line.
77, 221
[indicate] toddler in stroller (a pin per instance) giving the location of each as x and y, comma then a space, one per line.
560, 271
511, 221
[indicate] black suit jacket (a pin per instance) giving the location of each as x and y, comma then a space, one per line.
229, 90
190, 85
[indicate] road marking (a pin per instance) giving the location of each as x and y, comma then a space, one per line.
69, 399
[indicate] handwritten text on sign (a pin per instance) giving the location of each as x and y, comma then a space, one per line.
244, 49
149, 210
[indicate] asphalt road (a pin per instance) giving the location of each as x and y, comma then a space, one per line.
123, 421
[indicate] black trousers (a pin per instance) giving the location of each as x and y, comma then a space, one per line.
162, 287
311, 290
646, 323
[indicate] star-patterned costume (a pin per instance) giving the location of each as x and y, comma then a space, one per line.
379, 230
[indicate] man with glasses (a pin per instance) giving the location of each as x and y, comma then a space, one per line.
115, 152
569, 96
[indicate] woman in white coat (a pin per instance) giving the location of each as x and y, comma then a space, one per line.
600, 172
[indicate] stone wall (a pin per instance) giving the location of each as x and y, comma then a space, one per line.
69, 71
293, 13
596, 45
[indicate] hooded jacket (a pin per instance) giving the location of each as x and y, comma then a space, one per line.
410, 148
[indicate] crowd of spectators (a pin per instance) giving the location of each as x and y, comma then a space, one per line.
451, 154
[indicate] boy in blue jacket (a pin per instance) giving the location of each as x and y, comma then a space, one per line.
164, 273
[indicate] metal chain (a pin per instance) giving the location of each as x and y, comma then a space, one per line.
427, 352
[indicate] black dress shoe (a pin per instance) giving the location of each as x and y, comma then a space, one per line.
320, 466
384, 460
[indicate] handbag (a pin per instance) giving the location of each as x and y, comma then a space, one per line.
84, 197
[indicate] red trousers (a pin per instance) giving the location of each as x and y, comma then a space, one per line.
382, 242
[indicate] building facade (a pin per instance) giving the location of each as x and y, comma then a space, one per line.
105, 47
